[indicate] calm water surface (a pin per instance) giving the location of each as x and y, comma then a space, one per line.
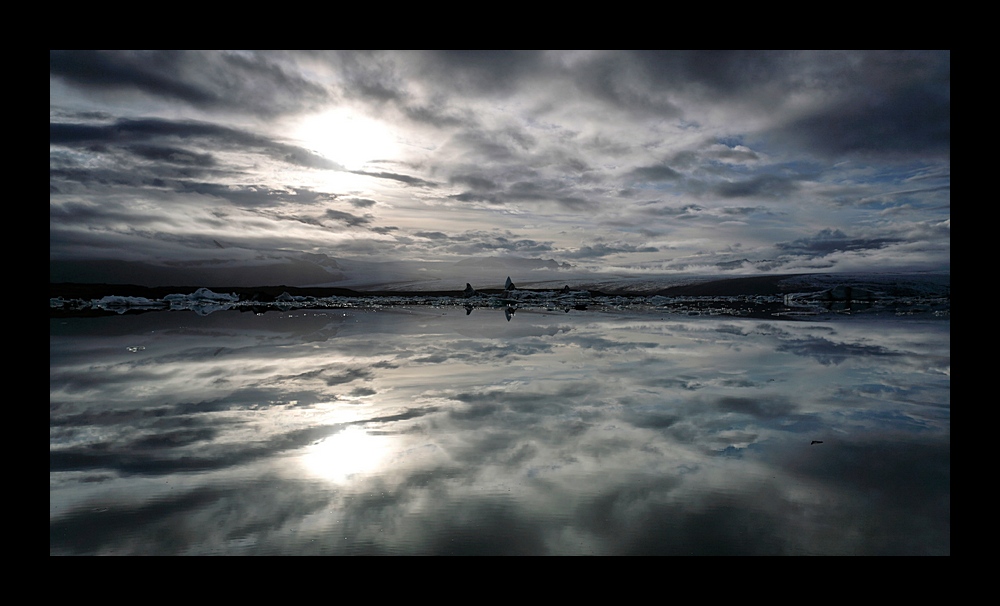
428, 431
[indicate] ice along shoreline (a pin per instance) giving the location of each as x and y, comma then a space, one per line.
786, 296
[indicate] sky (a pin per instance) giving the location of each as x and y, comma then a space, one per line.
341, 167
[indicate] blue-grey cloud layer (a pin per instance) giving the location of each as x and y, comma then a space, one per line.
664, 161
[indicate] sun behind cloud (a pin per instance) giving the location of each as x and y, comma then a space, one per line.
347, 138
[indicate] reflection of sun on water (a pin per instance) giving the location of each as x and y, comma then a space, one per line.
342, 455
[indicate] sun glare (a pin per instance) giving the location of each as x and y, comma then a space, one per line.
342, 455
347, 138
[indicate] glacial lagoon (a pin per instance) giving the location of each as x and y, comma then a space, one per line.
436, 431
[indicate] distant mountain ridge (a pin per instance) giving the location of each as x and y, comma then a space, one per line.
894, 285
521, 263
320, 273
297, 271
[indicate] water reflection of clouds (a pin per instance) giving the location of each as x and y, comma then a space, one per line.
561, 435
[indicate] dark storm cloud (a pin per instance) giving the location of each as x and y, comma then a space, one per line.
617, 80
477, 197
768, 186
432, 235
729, 73
440, 115
148, 157
688, 210
408, 179
522, 245
603, 250
155, 73
741, 211
893, 102
829, 241
576, 203
476, 182
348, 218
482, 71
351, 374
251, 195
476, 242
368, 75
540, 190
662, 83
495, 146
129, 132
697, 211
911, 121
660, 172
229, 81
173, 155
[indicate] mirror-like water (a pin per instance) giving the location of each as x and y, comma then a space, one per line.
429, 431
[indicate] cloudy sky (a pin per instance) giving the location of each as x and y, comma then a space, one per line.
311, 167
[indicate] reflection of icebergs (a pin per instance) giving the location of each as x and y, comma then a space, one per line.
202, 294
202, 301
123, 304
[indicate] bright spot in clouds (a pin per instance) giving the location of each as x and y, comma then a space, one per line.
342, 455
347, 138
